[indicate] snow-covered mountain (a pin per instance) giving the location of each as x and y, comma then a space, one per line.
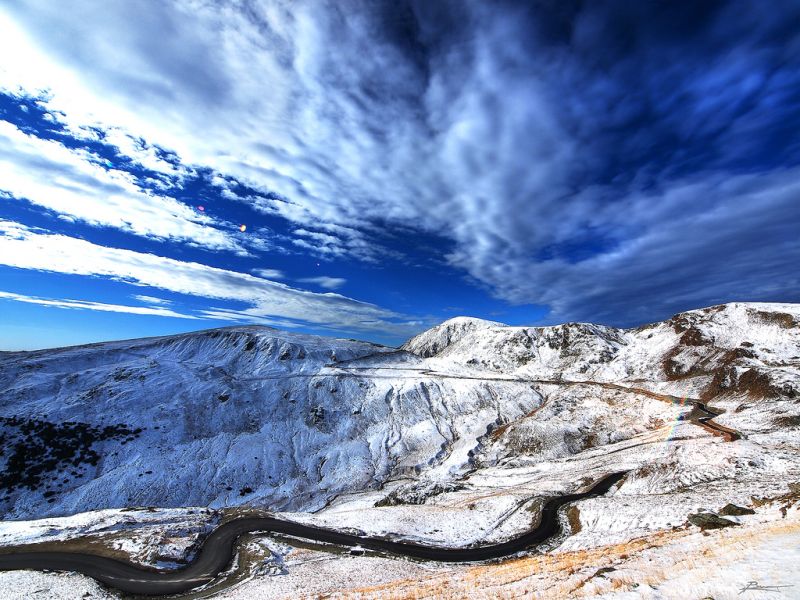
285, 421
452, 439
735, 343
221, 417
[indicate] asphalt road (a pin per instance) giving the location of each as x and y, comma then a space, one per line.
703, 415
219, 548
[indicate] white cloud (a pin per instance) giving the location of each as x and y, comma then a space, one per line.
270, 273
141, 152
150, 299
329, 283
194, 83
25, 248
250, 316
71, 183
697, 242
90, 305
375, 133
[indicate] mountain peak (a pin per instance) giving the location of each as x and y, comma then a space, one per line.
434, 340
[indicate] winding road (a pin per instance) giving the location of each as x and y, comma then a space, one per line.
219, 548
703, 415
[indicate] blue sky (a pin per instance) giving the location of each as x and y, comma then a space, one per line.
394, 164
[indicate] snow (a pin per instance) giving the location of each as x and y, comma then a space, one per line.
27, 585
154, 537
223, 425
468, 425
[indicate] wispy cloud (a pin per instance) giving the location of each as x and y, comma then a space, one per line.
71, 183
671, 252
150, 299
24, 248
270, 273
91, 305
329, 283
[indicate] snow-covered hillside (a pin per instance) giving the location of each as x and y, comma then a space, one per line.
224, 417
255, 415
724, 341
451, 439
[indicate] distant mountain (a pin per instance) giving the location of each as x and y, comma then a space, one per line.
720, 349
287, 421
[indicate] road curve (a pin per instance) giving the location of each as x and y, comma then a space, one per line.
217, 551
703, 416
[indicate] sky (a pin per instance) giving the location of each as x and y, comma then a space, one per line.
369, 169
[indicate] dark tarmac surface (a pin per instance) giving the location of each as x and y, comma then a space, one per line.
219, 548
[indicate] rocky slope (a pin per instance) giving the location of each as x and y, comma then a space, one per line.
734, 347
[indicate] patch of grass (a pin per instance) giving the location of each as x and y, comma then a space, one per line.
574, 519
783, 320
790, 421
38, 451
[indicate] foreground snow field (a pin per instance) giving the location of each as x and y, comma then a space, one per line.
451, 440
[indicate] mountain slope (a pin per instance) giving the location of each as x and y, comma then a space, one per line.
738, 346
223, 417
289, 422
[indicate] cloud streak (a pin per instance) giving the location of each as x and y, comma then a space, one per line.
150, 299
71, 183
156, 311
24, 248
270, 273
329, 283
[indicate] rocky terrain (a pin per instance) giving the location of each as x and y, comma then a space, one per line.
452, 439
